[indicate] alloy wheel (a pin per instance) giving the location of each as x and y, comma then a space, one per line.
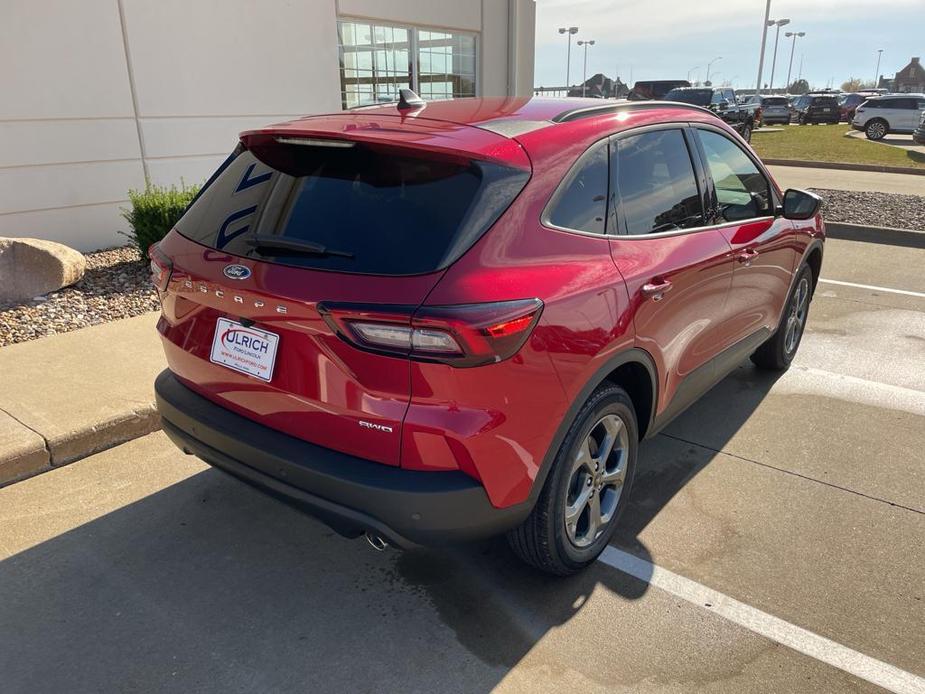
875, 131
796, 317
596, 481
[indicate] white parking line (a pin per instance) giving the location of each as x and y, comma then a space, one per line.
872, 287
771, 627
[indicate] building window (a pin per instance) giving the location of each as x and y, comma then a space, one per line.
376, 60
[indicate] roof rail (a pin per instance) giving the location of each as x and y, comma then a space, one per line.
603, 109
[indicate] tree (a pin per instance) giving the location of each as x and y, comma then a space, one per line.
855, 84
798, 87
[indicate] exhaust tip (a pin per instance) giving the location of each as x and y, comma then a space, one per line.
376, 542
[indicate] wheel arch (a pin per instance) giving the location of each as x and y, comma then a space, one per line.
634, 370
813, 258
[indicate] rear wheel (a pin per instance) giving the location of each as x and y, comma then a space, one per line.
778, 352
876, 129
747, 132
586, 489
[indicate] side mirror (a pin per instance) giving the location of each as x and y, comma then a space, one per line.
723, 105
799, 204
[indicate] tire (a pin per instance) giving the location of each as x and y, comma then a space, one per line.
876, 129
801, 119
778, 352
543, 539
747, 132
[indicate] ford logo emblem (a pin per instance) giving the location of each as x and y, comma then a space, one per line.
237, 272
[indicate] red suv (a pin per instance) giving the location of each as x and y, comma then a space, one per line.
432, 323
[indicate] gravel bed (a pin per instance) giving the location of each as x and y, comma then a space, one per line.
876, 209
116, 285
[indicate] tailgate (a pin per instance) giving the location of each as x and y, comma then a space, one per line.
353, 211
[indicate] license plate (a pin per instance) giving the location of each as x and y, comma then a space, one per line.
247, 350
826, 110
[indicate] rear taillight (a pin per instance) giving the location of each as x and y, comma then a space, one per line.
161, 267
463, 335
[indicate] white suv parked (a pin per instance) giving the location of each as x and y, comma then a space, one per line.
896, 113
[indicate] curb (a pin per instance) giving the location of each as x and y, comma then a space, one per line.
845, 231
25, 452
68, 396
799, 163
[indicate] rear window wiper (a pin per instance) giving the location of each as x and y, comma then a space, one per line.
282, 243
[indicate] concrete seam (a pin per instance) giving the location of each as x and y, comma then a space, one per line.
37, 433
795, 474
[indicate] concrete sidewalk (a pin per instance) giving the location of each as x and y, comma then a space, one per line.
834, 179
70, 395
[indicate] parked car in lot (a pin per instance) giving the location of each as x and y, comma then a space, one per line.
721, 101
812, 109
848, 103
894, 113
774, 109
442, 328
647, 90
918, 135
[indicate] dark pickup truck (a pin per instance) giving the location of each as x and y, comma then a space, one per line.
722, 101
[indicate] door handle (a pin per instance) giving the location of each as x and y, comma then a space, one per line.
746, 257
656, 290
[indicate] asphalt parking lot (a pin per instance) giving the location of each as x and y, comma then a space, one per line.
775, 542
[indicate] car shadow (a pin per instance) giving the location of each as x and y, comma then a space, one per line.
207, 585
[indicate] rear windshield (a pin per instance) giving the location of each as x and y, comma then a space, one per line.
698, 97
825, 101
774, 101
349, 208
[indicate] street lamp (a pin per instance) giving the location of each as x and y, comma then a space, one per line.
696, 67
779, 23
764, 38
795, 35
584, 74
719, 57
571, 31
877, 75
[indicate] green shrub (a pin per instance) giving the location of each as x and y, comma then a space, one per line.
154, 212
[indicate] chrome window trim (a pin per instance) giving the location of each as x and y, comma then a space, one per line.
692, 230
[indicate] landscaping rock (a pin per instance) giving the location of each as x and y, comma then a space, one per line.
31, 267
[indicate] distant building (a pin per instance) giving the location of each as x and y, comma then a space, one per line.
910, 79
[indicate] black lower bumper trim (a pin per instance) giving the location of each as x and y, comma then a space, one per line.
350, 494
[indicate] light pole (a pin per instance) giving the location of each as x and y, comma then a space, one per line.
764, 38
877, 75
571, 31
584, 74
779, 23
719, 57
795, 35
696, 67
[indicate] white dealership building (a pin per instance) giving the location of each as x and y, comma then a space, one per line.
97, 95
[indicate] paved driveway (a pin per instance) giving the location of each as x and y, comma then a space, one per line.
775, 542
896, 140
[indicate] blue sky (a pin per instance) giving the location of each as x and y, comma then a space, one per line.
663, 39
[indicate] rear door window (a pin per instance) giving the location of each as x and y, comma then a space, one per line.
349, 208
742, 191
656, 184
581, 201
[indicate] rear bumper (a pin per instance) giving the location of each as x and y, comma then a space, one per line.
351, 495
